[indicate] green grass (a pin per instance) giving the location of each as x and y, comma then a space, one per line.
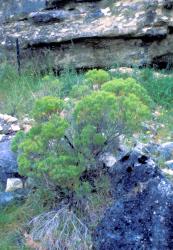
14, 218
18, 93
11, 219
160, 88
159, 84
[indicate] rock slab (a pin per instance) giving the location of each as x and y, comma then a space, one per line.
88, 33
141, 216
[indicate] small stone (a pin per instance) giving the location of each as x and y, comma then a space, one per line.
169, 164
108, 159
1, 128
66, 99
167, 171
13, 184
15, 128
96, 87
6, 117
157, 113
27, 120
122, 70
12, 119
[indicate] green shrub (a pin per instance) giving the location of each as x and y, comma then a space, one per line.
101, 117
79, 91
46, 106
95, 117
61, 146
132, 112
95, 106
19, 137
124, 87
43, 152
97, 76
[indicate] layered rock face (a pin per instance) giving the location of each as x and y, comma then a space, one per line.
141, 215
88, 33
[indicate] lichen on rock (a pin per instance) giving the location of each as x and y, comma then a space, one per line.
141, 215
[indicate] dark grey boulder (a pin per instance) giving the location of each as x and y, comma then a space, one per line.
141, 217
168, 4
8, 163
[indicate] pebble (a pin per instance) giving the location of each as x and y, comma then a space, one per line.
15, 128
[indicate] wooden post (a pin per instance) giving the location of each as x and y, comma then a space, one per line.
18, 56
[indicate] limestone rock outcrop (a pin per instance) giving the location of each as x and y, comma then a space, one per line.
87, 33
141, 215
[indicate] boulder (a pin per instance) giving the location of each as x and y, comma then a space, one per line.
88, 33
8, 198
108, 159
141, 215
8, 162
13, 184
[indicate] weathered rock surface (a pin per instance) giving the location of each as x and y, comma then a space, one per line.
89, 33
141, 216
13, 184
8, 161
